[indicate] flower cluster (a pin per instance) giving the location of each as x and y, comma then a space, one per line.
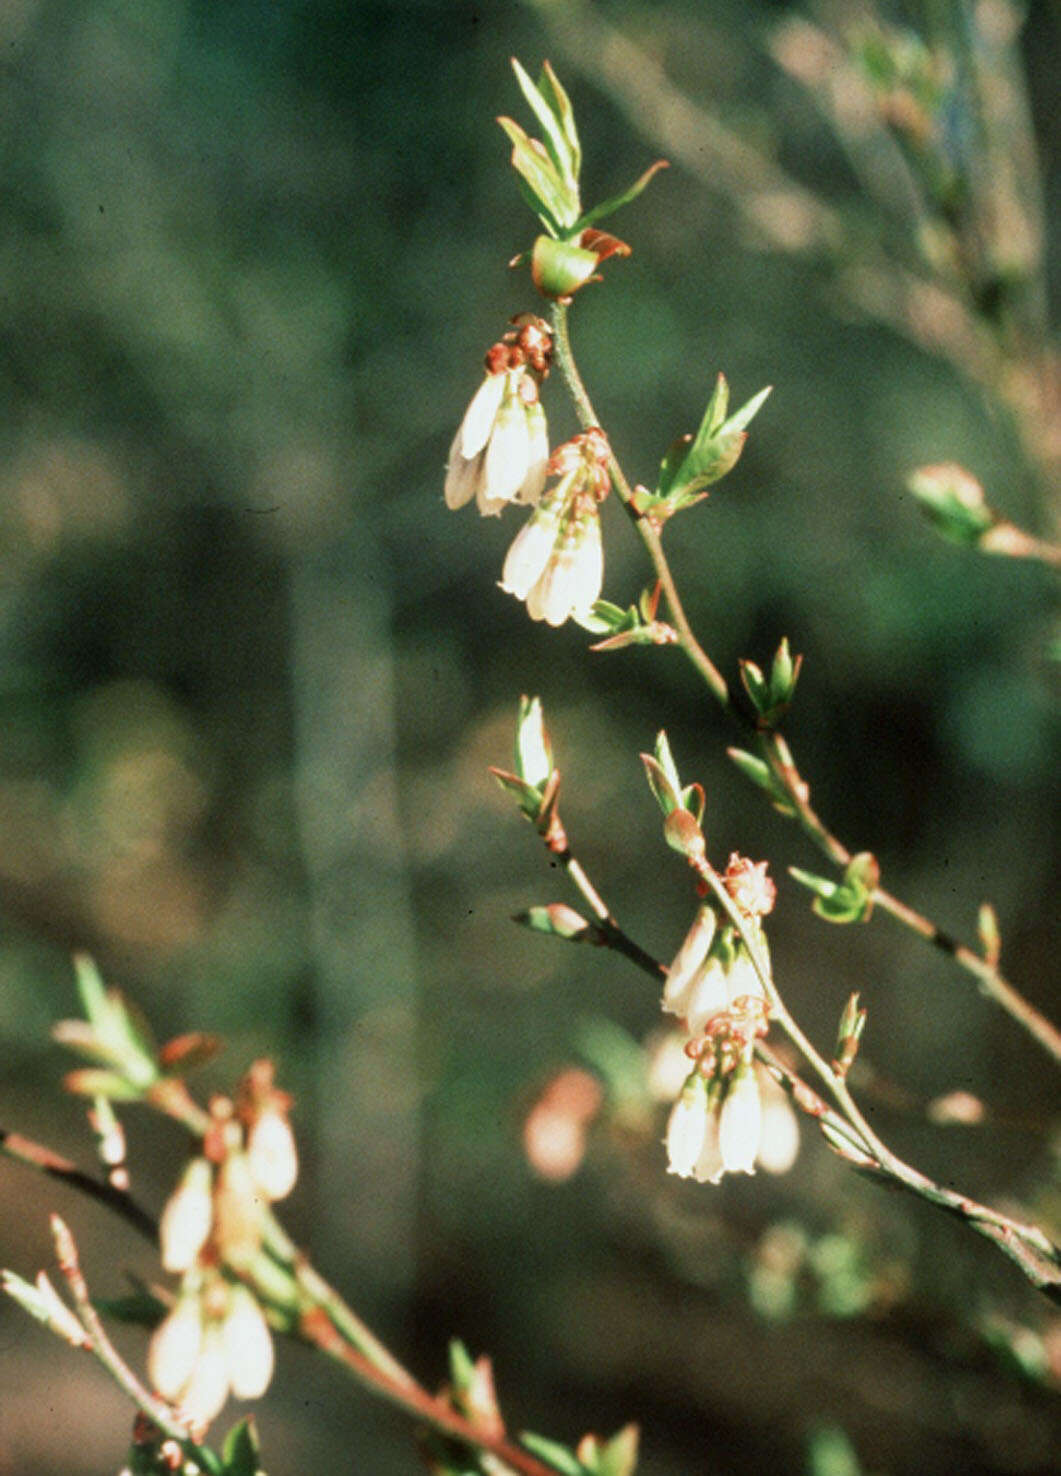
215, 1340
556, 562
713, 986
499, 454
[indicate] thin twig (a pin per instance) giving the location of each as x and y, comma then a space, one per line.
773, 747
69, 1264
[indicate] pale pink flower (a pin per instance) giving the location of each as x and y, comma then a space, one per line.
779, 1138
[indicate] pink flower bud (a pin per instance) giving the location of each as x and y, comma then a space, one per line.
187, 1217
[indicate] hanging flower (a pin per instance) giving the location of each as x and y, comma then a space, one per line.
556, 563
500, 451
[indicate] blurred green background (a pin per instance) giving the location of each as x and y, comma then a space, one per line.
253, 672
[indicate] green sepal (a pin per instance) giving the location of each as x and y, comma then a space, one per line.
240, 1449
615, 1457
845, 901
568, 924
761, 774
681, 831
560, 268
526, 795
559, 1456
461, 1363
771, 696
952, 499
90, 1081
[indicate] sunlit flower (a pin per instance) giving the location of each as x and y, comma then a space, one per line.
740, 1122
175, 1346
779, 1138
687, 1127
500, 451
248, 1345
556, 563
187, 1217
271, 1154
688, 961
204, 1395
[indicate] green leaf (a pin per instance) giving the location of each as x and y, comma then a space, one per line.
240, 1450
141, 1308
556, 141
836, 902
616, 202
531, 162
558, 100
558, 1456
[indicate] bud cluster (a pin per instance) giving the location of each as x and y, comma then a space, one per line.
215, 1340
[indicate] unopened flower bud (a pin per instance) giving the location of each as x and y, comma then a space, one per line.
534, 752
248, 1345
175, 1347
187, 1217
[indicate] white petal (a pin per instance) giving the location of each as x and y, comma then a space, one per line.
686, 1127
175, 1346
480, 415
507, 455
462, 477
742, 979
207, 1389
687, 961
589, 570
709, 1167
248, 1346
779, 1138
530, 552
552, 598
537, 456
707, 996
740, 1125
